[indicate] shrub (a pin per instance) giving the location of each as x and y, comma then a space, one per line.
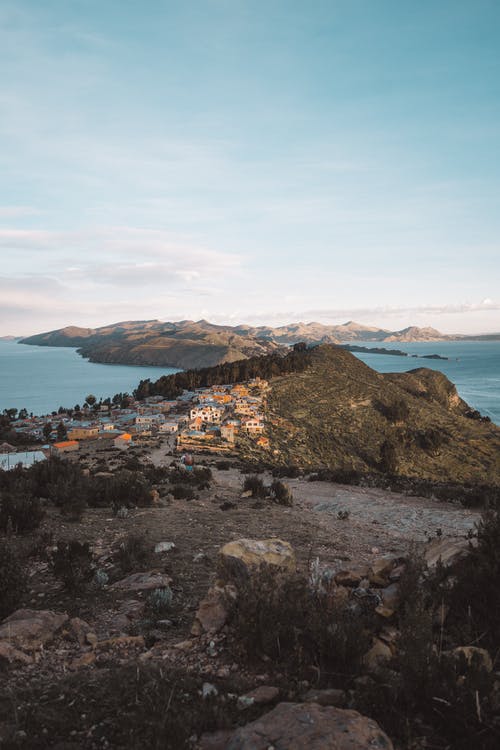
134, 552
281, 617
223, 465
19, 512
388, 457
72, 563
397, 411
255, 485
281, 493
475, 596
13, 581
159, 603
181, 492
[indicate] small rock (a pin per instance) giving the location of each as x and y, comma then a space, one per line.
213, 610
12, 655
85, 660
261, 696
351, 577
164, 547
80, 629
208, 690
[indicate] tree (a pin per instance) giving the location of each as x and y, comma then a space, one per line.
23, 414
47, 429
10, 413
90, 399
61, 431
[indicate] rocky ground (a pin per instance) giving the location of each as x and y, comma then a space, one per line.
57, 635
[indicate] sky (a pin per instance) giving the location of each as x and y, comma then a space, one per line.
258, 161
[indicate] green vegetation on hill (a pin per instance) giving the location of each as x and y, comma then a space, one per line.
340, 414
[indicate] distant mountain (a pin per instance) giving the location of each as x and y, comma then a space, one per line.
187, 343
183, 344
9, 338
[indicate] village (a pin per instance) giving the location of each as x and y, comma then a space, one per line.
211, 419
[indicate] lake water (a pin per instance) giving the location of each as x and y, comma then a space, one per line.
42, 378
474, 367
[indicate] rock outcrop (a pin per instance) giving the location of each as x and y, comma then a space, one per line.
297, 726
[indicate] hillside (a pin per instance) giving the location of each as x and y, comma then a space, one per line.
341, 414
185, 344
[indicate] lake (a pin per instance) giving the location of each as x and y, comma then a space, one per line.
42, 378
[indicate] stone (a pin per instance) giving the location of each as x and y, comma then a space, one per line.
164, 547
448, 551
28, 629
142, 582
328, 697
472, 653
386, 612
80, 628
390, 596
351, 577
215, 740
91, 639
238, 559
379, 654
12, 655
382, 566
260, 696
122, 641
130, 610
213, 610
85, 660
308, 726
209, 690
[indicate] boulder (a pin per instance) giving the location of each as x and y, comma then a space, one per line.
308, 726
28, 629
12, 655
448, 551
213, 610
237, 559
80, 628
379, 654
142, 582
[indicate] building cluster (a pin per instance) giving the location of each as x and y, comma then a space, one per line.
211, 418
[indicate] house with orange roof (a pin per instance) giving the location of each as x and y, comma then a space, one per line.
66, 446
123, 441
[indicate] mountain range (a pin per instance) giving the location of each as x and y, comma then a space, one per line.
188, 344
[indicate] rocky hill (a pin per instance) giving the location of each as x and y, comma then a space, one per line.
184, 344
341, 414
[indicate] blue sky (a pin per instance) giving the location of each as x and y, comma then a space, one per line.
261, 162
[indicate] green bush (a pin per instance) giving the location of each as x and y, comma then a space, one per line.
13, 581
19, 512
281, 493
72, 563
255, 485
181, 492
279, 616
134, 553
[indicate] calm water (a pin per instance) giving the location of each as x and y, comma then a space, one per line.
474, 367
42, 378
